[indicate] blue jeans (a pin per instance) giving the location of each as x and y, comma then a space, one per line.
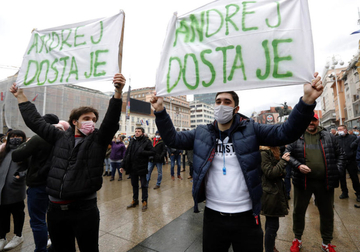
178, 161
38, 202
151, 168
107, 165
115, 166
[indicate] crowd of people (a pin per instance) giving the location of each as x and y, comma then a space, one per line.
239, 168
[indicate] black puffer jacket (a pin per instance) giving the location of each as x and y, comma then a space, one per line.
75, 172
160, 151
137, 156
333, 155
349, 145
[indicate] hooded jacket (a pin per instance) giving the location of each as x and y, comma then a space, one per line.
273, 201
333, 156
246, 135
75, 171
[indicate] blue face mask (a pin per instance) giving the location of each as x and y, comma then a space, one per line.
356, 133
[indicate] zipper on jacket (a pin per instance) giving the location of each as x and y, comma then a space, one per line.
305, 161
327, 175
66, 169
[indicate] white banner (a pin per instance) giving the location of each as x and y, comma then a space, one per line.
72, 54
235, 45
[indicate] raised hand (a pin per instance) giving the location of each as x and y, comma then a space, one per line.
313, 90
157, 102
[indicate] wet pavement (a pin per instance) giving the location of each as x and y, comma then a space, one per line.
169, 224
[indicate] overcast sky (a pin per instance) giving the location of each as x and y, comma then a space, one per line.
145, 27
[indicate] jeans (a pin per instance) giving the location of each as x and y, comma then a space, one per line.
115, 166
107, 165
81, 221
242, 232
135, 185
17, 211
151, 168
191, 169
38, 202
271, 228
178, 161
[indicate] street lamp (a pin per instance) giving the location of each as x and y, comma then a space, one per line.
335, 62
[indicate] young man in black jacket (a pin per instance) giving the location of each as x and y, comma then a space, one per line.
136, 164
76, 167
157, 160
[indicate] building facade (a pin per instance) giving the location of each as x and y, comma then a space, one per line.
176, 106
352, 94
208, 98
201, 113
329, 107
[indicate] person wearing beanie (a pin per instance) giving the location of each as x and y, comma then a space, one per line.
37, 199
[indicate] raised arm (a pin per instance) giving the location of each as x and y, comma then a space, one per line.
110, 124
183, 140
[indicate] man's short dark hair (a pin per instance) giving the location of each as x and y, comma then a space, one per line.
140, 128
76, 113
344, 126
233, 94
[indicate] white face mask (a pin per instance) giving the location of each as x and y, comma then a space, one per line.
341, 133
157, 137
223, 114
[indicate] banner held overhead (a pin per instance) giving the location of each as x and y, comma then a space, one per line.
236, 45
75, 53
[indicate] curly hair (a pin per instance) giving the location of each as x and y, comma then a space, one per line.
76, 113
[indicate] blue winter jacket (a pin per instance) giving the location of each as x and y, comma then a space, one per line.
246, 136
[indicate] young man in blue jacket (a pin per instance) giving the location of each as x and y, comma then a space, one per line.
227, 165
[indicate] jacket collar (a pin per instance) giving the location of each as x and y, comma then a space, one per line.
239, 121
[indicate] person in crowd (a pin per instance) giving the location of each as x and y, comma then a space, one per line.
287, 178
333, 131
227, 165
76, 167
157, 159
175, 155
116, 157
12, 191
135, 163
274, 203
190, 156
184, 154
316, 158
37, 199
107, 160
356, 132
349, 144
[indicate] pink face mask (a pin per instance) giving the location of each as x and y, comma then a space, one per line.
87, 127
